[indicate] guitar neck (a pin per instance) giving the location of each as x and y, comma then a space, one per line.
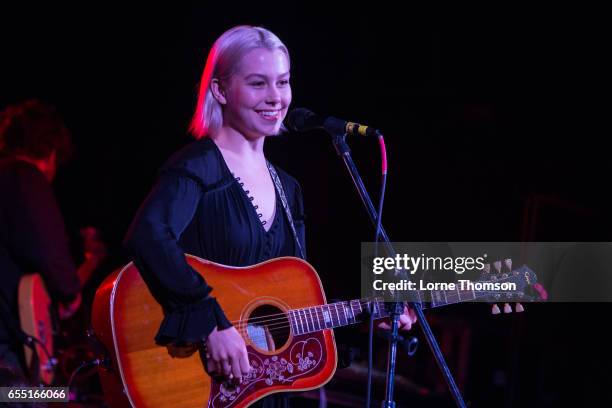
332, 315
339, 314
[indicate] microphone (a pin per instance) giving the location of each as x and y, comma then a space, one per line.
301, 120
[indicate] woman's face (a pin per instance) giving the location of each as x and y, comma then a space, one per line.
258, 94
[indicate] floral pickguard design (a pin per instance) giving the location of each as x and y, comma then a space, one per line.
302, 358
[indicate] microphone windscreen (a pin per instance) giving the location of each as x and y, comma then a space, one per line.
301, 119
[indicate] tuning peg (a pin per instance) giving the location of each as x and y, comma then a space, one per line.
507, 308
519, 308
495, 309
508, 264
497, 266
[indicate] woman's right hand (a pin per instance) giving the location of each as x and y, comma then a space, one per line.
226, 354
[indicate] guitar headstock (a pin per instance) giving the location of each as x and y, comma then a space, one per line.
525, 280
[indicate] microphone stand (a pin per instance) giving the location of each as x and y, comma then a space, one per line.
395, 308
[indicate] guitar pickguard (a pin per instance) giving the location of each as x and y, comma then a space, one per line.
303, 358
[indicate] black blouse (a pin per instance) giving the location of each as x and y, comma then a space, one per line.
197, 206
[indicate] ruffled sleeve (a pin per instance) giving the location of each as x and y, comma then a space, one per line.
152, 240
190, 323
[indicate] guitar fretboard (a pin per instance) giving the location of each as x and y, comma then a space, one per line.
316, 318
329, 316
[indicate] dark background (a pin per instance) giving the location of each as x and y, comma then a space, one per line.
496, 130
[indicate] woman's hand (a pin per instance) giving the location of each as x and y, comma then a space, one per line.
226, 354
405, 322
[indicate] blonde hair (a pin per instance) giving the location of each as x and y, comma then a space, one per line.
221, 64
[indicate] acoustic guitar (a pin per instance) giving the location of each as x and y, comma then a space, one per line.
282, 298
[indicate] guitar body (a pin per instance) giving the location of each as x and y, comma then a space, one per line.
35, 316
126, 318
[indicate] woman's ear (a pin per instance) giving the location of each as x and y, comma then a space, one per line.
218, 91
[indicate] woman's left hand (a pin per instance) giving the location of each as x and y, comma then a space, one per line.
405, 322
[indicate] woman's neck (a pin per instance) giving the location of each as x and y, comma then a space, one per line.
236, 146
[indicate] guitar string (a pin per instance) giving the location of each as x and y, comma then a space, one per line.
318, 309
265, 318
283, 323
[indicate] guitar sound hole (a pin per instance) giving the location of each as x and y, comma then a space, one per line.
268, 328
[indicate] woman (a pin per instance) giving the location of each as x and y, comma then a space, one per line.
217, 198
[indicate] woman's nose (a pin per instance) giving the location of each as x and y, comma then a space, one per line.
274, 95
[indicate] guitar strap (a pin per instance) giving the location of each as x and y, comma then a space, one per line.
281, 193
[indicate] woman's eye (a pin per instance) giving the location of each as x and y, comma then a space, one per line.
284, 82
259, 83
